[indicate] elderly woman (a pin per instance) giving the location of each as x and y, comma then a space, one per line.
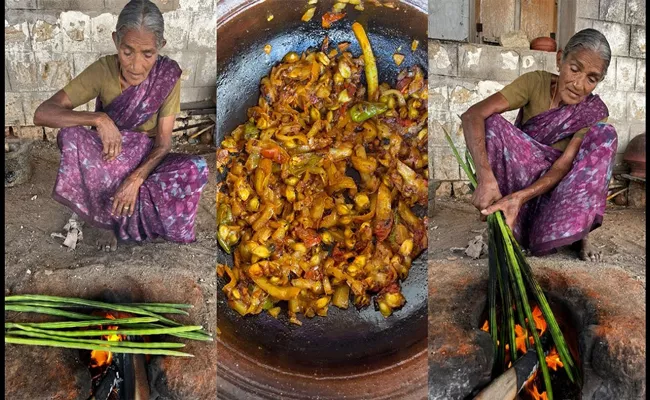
554, 164
116, 170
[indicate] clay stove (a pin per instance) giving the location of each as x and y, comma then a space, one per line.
602, 306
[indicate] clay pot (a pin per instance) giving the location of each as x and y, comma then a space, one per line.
543, 44
635, 156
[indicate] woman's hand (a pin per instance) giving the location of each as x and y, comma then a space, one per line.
126, 196
110, 136
487, 192
510, 205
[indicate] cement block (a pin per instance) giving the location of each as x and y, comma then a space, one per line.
21, 4
196, 5
612, 10
188, 61
583, 23
438, 96
206, 69
164, 5
616, 104
531, 60
609, 83
39, 71
637, 42
30, 132
588, 8
81, 61
625, 73
636, 128
461, 189
7, 81
176, 29
636, 107
193, 94
439, 121
46, 37
443, 58
640, 76
203, 32
17, 38
486, 89
550, 63
31, 101
72, 5
623, 134
618, 36
76, 27
444, 190
102, 28
14, 115
635, 13
487, 62
462, 96
445, 166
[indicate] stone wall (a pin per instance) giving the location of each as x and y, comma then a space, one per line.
460, 74
48, 42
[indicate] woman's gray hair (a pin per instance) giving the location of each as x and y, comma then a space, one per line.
141, 14
590, 39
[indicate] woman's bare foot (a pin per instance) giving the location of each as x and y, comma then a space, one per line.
105, 239
588, 252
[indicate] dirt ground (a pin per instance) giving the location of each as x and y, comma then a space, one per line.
156, 271
621, 238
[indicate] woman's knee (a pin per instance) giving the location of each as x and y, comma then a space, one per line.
602, 134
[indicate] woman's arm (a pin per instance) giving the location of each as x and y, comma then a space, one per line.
56, 112
473, 122
511, 204
127, 194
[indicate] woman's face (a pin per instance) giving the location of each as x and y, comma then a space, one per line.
137, 53
580, 72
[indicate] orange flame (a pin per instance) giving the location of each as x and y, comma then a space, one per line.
536, 394
553, 360
486, 326
540, 322
520, 339
99, 358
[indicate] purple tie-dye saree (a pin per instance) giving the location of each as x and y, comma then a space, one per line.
521, 154
167, 201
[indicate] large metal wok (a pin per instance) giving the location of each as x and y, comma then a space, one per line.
348, 354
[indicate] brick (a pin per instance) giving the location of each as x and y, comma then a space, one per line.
29, 132
531, 60
445, 166
39, 71
196, 5
21, 4
616, 103
640, 76
625, 74
50, 134
635, 13
206, 70
17, 38
609, 83
444, 189
71, 5
31, 101
14, 115
637, 42
588, 8
102, 28
612, 10
76, 28
203, 32
443, 58
176, 32
438, 97
46, 37
618, 36
194, 94
636, 106
81, 61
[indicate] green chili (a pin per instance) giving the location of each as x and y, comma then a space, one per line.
366, 110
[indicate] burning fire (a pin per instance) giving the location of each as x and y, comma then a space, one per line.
553, 360
486, 326
540, 322
100, 358
536, 394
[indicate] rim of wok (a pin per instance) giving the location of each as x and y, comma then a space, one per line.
381, 374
